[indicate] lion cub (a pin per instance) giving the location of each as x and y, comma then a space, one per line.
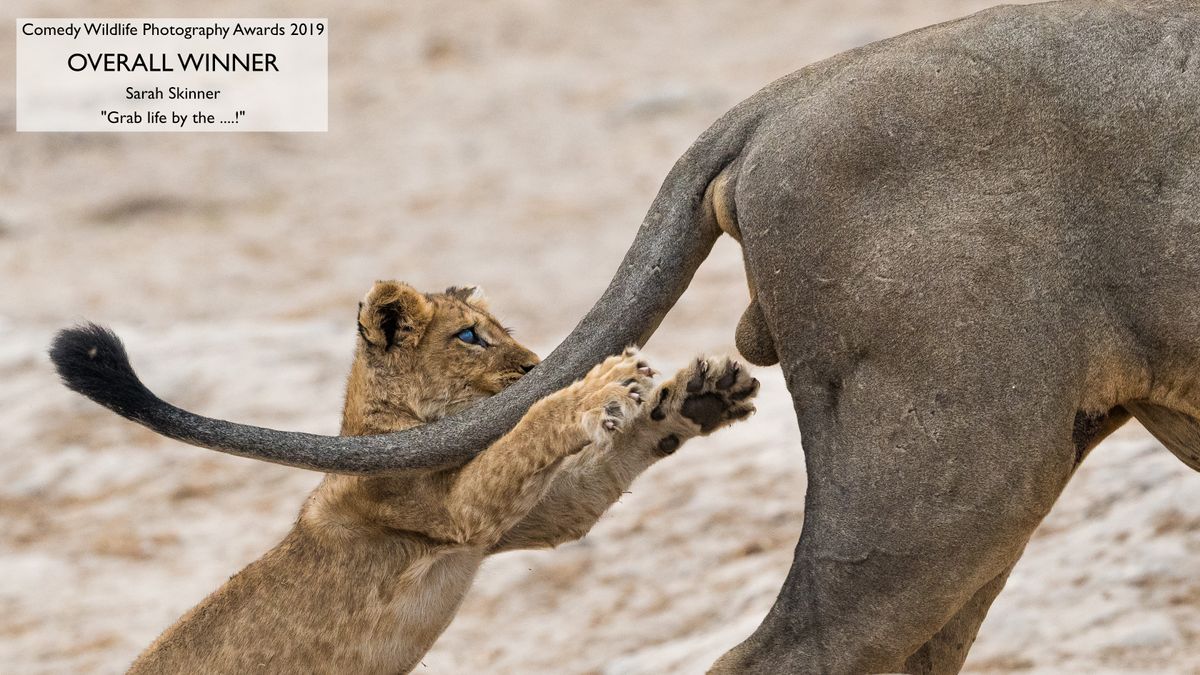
375, 567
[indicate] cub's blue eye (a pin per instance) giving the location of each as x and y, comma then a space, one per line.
468, 336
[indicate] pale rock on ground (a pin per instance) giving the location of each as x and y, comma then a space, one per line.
512, 144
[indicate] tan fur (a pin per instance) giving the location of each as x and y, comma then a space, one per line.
376, 567
718, 200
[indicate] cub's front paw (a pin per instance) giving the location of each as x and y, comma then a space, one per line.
614, 394
709, 394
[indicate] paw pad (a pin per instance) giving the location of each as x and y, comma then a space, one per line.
668, 444
718, 392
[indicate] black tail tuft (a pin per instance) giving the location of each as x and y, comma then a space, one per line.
91, 360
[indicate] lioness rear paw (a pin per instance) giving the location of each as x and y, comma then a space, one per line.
709, 394
614, 394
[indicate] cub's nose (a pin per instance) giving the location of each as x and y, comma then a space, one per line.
527, 367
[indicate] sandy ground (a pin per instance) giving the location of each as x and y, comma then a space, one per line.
513, 144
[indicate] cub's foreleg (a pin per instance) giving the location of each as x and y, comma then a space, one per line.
494, 491
701, 398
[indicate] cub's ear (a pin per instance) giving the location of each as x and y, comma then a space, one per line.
393, 314
472, 295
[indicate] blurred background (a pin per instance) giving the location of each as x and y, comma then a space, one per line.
514, 144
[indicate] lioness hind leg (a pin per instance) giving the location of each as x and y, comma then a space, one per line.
945, 653
917, 499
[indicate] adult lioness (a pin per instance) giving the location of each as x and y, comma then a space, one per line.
375, 567
974, 250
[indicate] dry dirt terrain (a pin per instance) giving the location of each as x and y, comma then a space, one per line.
514, 144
